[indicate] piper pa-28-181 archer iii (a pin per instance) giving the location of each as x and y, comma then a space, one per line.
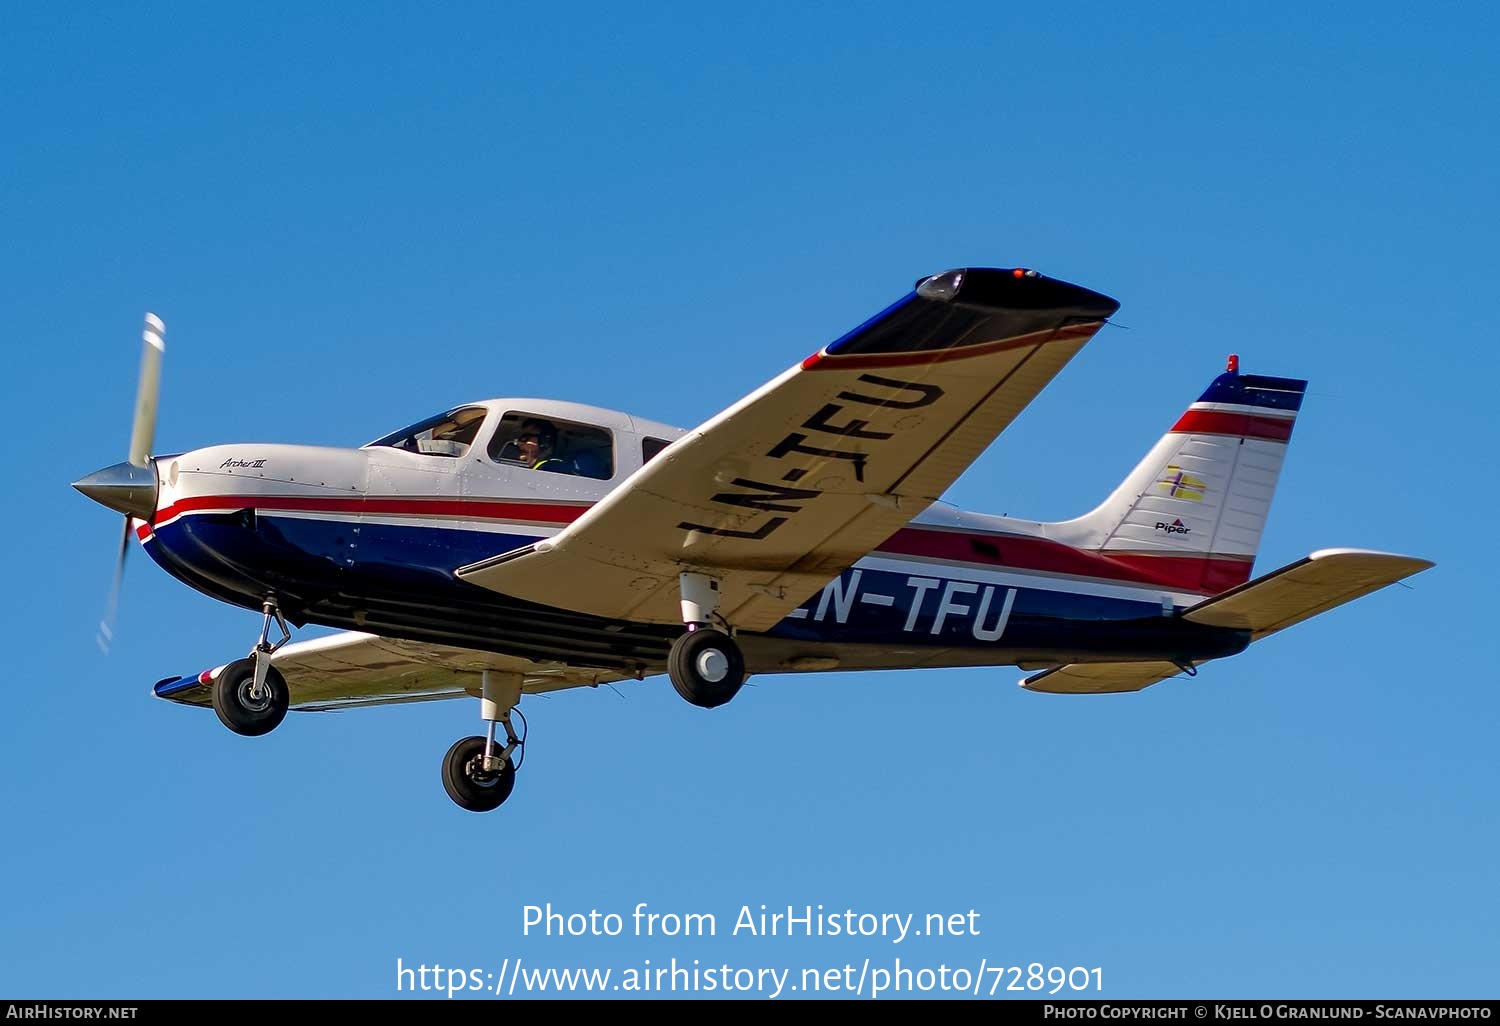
516, 546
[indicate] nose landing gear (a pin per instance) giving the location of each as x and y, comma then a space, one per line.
250, 695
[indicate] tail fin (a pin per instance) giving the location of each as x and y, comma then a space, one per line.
1198, 501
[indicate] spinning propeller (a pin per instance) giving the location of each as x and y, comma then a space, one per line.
130, 487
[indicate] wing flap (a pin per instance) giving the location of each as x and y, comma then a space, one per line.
800, 479
1300, 590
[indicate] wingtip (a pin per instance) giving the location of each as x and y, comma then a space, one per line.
1414, 564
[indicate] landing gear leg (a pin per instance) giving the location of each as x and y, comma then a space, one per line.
479, 772
705, 664
250, 695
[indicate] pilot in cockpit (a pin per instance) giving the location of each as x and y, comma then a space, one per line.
536, 445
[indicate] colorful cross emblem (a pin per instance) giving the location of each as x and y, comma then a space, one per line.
1179, 484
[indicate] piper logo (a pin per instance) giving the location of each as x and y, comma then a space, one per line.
1175, 527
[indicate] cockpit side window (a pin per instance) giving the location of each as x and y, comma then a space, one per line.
448, 434
556, 446
650, 447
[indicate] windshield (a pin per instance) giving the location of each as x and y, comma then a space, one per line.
448, 434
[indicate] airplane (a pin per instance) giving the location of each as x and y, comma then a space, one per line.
801, 529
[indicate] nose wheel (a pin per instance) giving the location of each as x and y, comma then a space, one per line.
244, 708
250, 695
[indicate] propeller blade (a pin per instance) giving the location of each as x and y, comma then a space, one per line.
107, 624
143, 429
124, 487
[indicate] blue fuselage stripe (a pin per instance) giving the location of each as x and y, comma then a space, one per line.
342, 565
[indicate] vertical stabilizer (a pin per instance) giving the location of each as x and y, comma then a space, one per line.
1197, 504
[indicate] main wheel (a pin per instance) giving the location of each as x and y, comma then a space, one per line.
240, 709
468, 783
706, 667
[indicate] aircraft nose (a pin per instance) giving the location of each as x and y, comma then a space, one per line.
124, 487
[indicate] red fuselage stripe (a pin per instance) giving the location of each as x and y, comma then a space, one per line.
476, 509
1241, 425
1205, 573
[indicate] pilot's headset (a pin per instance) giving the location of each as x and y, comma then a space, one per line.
546, 434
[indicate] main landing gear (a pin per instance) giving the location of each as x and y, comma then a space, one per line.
705, 664
479, 772
250, 695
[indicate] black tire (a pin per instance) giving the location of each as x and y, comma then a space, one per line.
684, 667
240, 712
468, 784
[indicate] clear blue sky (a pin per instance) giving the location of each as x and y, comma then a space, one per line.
350, 220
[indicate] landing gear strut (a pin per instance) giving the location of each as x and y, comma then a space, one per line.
479, 772
705, 664
250, 695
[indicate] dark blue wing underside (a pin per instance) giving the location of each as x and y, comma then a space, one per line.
973, 306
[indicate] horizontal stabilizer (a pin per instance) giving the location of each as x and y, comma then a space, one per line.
1303, 589
1327, 578
1099, 678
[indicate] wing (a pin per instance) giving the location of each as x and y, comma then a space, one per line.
352, 669
797, 481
